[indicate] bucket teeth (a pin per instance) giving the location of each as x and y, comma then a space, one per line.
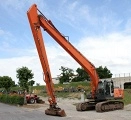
55, 112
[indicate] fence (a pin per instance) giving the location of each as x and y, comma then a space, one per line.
121, 75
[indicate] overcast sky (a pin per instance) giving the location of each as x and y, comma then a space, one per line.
99, 29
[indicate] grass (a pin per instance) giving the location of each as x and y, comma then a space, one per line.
72, 84
127, 96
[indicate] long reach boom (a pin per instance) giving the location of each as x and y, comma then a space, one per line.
101, 91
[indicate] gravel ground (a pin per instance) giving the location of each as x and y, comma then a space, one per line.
72, 114
36, 112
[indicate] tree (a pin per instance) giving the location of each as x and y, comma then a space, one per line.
103, 72
31, 82
6, 82
13, 84
82, 75
37, 84
1, 82
24, 75
66, 75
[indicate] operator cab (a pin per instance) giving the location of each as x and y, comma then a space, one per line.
104, 91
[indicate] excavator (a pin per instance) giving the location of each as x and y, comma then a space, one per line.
103, 96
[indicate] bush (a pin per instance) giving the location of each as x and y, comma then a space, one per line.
12, 99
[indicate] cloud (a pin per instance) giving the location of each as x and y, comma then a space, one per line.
128, 26
18, 6
56, 59
112, 51
72, 13
87, 18
6, 39
1, 32
9, 66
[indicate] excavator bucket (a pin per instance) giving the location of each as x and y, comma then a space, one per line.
55, 112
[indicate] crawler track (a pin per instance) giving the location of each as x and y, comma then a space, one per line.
85, 106
109, 106
101, 106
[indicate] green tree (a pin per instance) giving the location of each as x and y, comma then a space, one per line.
13, 84
82, 75
1, 82
6, 82
103, 72
37, 84
66, 75
31, 82
24, 75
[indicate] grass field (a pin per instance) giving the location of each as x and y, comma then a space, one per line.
72, 95
127, 96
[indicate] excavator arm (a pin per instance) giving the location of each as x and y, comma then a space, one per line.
47, 25
35, 24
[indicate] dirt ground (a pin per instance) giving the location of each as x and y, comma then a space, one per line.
70, 109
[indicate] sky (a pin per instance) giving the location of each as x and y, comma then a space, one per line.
99, 29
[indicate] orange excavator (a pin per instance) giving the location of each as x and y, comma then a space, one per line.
103, 96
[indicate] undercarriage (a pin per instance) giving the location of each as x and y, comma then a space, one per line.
103, 106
